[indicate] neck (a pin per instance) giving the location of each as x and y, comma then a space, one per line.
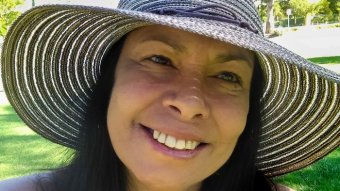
140, 187
133, 184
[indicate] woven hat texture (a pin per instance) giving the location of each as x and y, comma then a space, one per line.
52, 56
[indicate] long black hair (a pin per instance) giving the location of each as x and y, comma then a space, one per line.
96, 167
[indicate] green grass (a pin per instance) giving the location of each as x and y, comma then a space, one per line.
24, 152
323, 175
325, 60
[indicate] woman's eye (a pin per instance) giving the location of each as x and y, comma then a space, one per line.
160, 60
229, 77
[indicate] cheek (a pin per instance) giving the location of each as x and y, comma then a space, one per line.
235, 119
231, 118
126, 102
131, 95
231, 113
128, 98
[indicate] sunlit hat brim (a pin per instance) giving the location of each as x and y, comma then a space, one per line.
52, 56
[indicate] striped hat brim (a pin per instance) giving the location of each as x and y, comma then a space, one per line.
52, 57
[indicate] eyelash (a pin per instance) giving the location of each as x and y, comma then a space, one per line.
229, 77
162, 60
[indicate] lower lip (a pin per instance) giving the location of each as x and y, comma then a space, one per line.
175, 153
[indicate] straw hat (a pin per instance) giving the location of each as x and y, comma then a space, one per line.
52, 58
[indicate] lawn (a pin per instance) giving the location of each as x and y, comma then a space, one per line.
24, 152
323, 175
325, 60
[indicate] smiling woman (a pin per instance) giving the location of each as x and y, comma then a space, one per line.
180, 96
173, 94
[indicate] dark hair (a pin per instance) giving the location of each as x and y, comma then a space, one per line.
97, 167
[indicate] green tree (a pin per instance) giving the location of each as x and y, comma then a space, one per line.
307, 9
325, 11
8, 14
334, 6
270, 10
279, 12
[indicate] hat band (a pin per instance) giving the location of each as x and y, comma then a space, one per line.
202, 13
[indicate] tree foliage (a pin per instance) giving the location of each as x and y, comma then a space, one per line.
300, 7
279, 12
338, 7
307, 9
304, 9
8, 14
334, 6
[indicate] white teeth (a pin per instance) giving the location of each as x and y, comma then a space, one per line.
180, 144
191, 144
161, 138
156, 134
172, 142
195, 144
188, 144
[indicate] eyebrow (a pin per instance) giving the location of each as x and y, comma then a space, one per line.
233, 57
167, 41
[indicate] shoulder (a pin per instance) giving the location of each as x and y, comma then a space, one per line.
27, 183
280, 187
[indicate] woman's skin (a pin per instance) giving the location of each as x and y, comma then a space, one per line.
190, 87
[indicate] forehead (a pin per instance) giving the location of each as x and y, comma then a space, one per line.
183, 41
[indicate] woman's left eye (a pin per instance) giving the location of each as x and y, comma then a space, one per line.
229, 77
162, 60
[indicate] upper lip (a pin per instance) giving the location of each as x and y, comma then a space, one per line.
179, 131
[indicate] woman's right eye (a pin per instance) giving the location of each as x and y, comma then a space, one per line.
162, 60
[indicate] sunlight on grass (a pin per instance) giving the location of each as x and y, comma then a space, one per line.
322, 175
23, 151
21, 130
325, 60
6, 109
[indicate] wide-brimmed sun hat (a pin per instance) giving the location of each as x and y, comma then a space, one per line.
52, 57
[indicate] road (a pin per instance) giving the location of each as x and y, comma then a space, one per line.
312, 43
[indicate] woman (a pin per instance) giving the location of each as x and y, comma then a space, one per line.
159, 95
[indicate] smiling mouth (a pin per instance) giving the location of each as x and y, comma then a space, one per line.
173, 142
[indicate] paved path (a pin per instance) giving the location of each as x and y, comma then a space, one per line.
312, 43
333, 67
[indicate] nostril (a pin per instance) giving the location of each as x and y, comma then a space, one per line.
199, 115
187, 108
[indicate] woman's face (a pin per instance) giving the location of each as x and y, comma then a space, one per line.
178, 106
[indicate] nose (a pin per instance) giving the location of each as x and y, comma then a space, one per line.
187, 101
